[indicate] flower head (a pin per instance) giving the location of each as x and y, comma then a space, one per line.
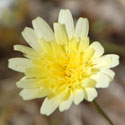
62, 65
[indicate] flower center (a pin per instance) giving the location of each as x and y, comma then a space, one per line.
65, 65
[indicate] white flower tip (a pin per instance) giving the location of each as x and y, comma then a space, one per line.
61, 109
91, 94
65, 17
18, 85
84, 19
43, 112
24, 29
105, 86
23, 32
82, 28
64, 10
115, 59
25, 95
99, 50
37, 19
118, 58
9, 63
22, 95
91, 99
42, 29
16, 47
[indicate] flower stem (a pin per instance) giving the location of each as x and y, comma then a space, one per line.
99, 109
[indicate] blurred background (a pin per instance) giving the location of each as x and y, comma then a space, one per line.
107, 25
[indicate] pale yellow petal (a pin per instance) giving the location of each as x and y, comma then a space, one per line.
78, 96
28, 94
91, 94
18, 64
42, 29
89, 52
50, 105
108, 72
107, 61
83, 44
82, 28
34, 71
60, 33
29, 83
85, 82
66, 104
65, 17
31, 38
28, 52
102, 80
90, 83
99, 50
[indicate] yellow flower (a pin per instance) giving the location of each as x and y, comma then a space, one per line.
62, 65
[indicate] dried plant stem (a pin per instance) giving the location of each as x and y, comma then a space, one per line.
99, 109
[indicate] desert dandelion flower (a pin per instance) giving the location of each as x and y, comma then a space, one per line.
62, 66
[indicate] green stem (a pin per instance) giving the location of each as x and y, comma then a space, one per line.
99, 109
